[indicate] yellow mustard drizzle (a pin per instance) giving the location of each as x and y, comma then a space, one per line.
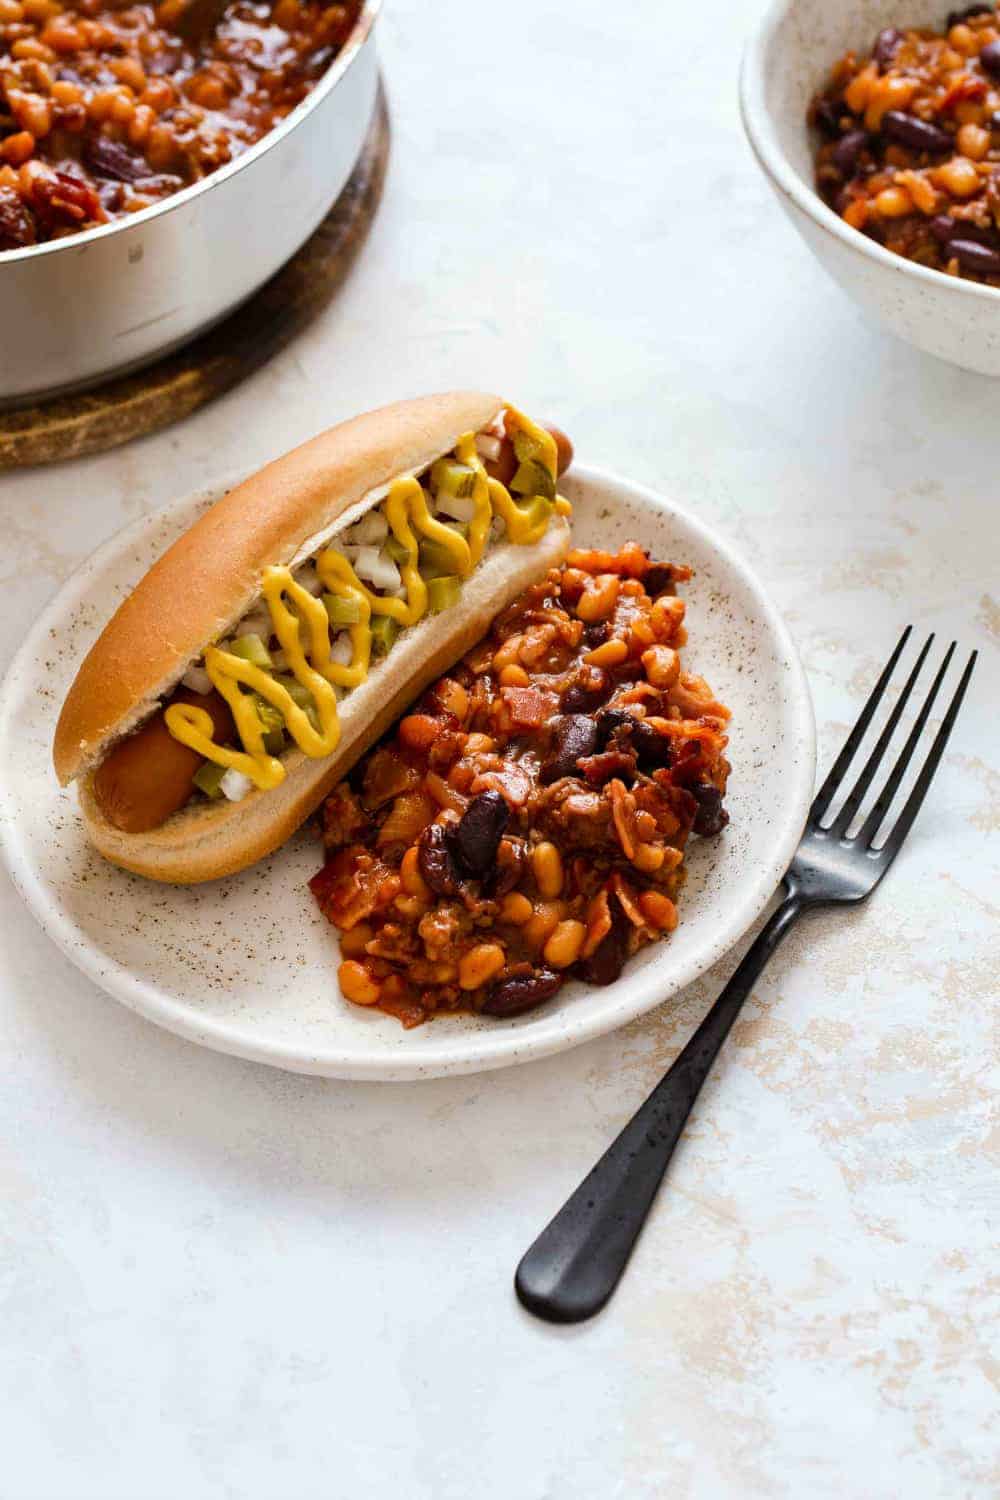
549, 454
482, 518
309, 662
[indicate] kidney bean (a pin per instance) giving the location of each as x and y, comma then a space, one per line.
919, 135
581, 696
512, 997
436, 861
955, 17
826, 120
660, 577
597, 633
975, 257
945, 229
111, 159
711, 817
575, 736
886, 46
989, 59
608, 959
847, 152
17, 228
507, 871
610, 720
652, 749
478, 833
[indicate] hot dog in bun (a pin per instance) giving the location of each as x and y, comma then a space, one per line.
282, 634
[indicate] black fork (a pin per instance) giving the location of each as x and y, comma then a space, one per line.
576, 1262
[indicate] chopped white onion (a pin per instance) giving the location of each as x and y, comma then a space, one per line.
488, 447
371, 528
341, 650
377, 567
255, 623
197, 679
234, 785
279, 661
309, 579
459, 507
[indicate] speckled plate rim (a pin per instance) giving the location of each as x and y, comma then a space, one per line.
635, 993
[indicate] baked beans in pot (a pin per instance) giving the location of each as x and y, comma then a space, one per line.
105, 110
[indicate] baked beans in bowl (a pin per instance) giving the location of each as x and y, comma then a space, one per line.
148, 185
875, 122
908, 139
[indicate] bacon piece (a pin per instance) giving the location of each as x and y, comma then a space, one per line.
529, 707
344, 819
623, 816
513, 784
598, 923
628, 899
352, 885
695, 699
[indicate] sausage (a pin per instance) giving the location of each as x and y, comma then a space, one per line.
564, 448
505, 467
148, 776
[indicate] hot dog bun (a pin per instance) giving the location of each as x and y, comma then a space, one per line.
211, 576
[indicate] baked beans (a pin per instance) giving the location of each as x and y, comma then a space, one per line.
104, 110
909, 149
528, 818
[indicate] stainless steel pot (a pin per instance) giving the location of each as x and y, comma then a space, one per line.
77, 310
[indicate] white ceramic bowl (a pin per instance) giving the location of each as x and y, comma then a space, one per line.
789, 57
248, 966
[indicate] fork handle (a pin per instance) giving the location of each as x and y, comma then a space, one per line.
576, 1262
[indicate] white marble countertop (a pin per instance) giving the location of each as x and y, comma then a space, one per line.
221, 1280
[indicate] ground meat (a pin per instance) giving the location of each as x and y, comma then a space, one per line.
573, 816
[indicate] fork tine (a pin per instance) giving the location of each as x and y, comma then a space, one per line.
844, 818
894, 842
875, 818
825, 794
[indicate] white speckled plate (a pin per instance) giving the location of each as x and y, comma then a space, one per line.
248, 966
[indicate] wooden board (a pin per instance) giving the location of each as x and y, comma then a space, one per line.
134, 405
